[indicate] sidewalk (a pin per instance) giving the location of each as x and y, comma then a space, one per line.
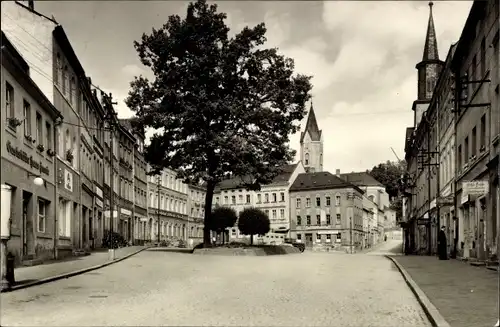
463, 294
28, 275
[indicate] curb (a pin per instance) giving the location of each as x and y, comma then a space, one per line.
70, 274
436, 319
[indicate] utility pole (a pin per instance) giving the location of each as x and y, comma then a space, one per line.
158, 211
111, 115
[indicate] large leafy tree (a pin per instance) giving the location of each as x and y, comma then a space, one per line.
222, 218
253, 221
223, 105
389, 174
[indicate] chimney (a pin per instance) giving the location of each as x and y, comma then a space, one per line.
337, 172
90, 80
31, 5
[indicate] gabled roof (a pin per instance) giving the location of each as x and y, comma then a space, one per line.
311, 127
361, 179
236, 182
320, 181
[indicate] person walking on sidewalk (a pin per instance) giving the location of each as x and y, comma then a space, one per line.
442, 248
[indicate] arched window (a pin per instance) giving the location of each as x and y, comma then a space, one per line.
306, 159
72, 90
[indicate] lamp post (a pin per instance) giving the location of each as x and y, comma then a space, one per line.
6, 200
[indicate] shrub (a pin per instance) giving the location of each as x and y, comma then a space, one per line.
182, 244
222, 218
113, 240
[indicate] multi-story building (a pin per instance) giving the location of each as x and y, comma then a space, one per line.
140, 183
272, 199
376, 193
326, 212
421, 144
311, 144
475, 65
126, 144
370, 225
168, 206
196, 212
28, 160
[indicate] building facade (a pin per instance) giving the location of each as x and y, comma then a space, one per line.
476, 69
326, 212
28, 150
196, 213
272, 199
311, 144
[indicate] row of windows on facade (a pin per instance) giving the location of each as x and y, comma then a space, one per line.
248, 198
328, 220
298, 203
197, 213
168, 204
470, 146
318, 236
197, 196
169, 182
43, 132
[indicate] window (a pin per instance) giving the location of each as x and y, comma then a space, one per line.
57, 75
306, 161
318, 237
9, 100
233, 199
27, 118
240, 198
482, 60
282, 195
474, 142
267, 212
65, 80
339, 236
274, 213
338, 218
328, 220
337, 200
282, 213
226, 199
318, 202
466, 150
299, 236
308, 202
248, 198
48, 135
72, 91
318, 220
42, 211
275, 199
329, 237
308, 220
328, 201
39, 128
299, 220
266, 196
482, 137
298, 204
459, 157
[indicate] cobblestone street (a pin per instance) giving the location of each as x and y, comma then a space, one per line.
466, 296
162, 288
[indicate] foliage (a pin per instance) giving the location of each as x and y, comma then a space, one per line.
222, 218
252, 222
389, 174
223, 105
113, 240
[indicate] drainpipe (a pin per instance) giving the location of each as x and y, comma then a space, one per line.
57, 122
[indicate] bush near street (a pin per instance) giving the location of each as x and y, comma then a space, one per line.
253, 221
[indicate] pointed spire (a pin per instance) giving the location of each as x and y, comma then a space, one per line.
311, 126
430, 48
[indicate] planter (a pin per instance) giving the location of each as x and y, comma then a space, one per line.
50, 153
69, 156
13, 122
40, 147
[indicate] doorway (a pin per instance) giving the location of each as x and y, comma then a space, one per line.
28, 233
309, 240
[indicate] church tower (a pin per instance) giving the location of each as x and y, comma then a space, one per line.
311, 144
428, 71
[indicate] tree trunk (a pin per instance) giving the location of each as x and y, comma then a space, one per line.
223, 237
251, 239
207, 240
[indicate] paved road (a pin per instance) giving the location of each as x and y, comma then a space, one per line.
174, 289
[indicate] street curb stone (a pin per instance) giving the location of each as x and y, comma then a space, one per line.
70, 274
436, 319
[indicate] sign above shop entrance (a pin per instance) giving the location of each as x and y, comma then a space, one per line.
23, 156
475, 188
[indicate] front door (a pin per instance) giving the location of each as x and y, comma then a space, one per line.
27, 225
309, 240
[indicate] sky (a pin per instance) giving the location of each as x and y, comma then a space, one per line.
361, 54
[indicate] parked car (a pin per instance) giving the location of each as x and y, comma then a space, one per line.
296, 244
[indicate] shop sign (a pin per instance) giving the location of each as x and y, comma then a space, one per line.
445, 201
68, 180
22, 155
475, 188
126, 212
99, 203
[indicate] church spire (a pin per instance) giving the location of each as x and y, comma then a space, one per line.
430, 48
311, 126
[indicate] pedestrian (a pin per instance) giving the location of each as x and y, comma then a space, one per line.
442, 248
